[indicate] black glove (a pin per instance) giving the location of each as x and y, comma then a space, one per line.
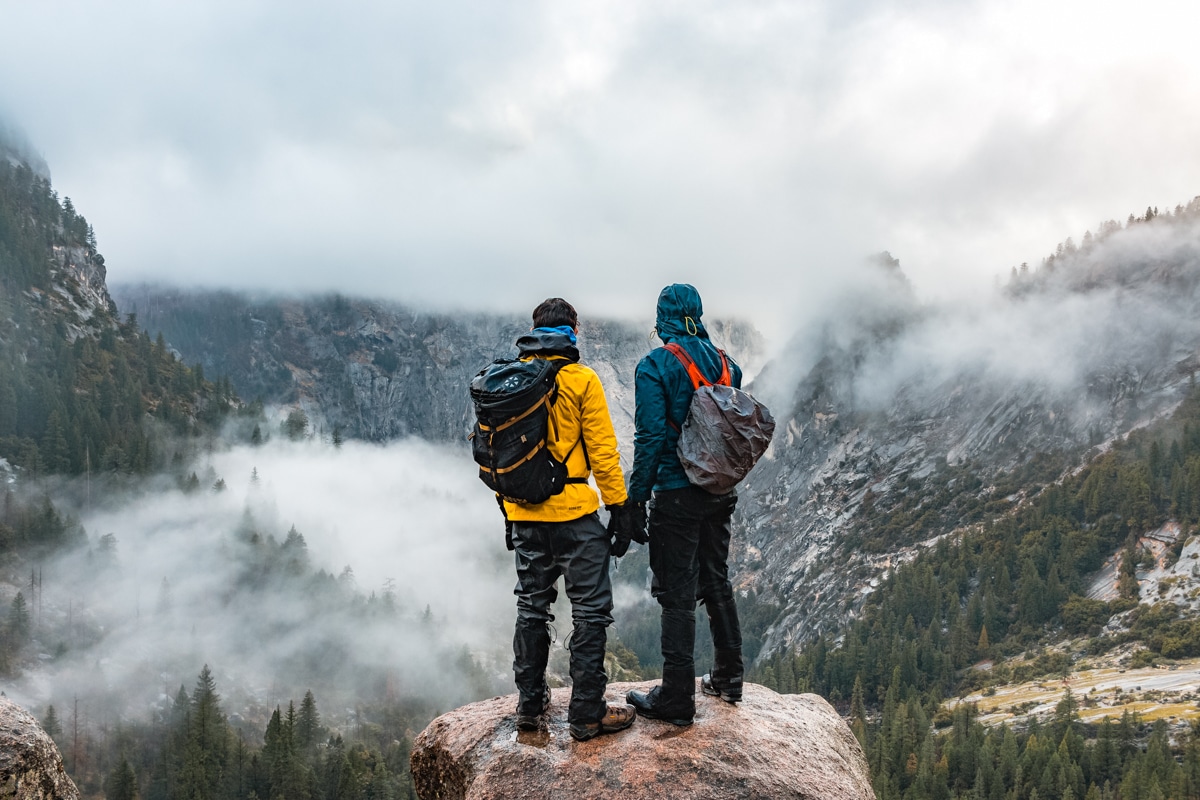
626, 522
616, 532
636, 516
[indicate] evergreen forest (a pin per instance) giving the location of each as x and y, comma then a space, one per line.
193, 751
77, 385
1005, 590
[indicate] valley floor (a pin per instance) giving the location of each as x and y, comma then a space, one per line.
1103, 689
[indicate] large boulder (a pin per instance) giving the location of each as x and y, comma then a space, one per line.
31, 767
768, 746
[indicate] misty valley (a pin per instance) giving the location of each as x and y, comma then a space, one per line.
244, 551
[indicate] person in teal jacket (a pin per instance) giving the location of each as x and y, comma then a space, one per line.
663, 391
689, 528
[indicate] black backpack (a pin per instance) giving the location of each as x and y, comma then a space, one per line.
511, 438
726, 430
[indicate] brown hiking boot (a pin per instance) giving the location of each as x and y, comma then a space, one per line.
533, 722
618, 718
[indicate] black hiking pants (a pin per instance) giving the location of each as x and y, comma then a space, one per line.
689, 554
578, 551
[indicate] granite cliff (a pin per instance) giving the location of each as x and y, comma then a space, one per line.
373, 369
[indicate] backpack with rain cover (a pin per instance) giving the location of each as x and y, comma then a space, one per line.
726, 430
511, 438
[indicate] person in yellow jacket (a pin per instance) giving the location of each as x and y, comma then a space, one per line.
564, 536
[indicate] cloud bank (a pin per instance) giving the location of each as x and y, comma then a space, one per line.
602, 149
404, 579
1092, 333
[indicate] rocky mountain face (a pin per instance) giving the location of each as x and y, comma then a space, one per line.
76, 385
909, 421
76, 270
378, 370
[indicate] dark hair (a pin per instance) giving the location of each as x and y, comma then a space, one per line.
554, 312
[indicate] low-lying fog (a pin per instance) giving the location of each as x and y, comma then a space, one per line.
415, 576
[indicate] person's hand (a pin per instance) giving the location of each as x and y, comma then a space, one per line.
626, 523
636, 520
616, 530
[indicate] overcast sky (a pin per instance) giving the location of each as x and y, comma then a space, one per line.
487, 154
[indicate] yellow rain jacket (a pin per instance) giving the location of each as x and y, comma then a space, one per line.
580, 412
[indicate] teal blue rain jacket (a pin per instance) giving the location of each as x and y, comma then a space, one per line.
663, 392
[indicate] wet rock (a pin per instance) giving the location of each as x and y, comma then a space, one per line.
768, 746
31, 767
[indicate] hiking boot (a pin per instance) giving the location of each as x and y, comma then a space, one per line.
656, 705
533, 722
727, 692
618, 718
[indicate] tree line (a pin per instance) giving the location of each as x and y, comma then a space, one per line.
191, 751
1004, 588
76, 383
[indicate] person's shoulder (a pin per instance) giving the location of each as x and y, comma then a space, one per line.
659, 355
576, 367
655, 359
578, 373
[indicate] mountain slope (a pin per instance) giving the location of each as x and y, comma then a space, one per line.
76, 385
377, 370
907, 421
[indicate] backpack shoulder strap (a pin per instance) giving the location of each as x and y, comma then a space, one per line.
558, 364
726, 379
693, 371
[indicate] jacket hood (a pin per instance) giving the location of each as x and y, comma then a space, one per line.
547, 342
679, 312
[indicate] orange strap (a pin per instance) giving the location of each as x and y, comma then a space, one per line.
694, 372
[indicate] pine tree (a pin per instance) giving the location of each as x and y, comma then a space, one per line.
287, 776
308, 724
122, 782
18, 621
207, 743
296, 424
1127, 582
50, 724
295, 552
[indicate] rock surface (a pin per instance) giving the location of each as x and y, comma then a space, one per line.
769, 746
31, 767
